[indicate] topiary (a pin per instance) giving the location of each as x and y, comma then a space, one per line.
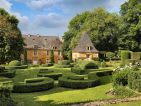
15, 63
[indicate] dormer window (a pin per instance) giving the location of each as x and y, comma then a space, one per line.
88, 48
54, 48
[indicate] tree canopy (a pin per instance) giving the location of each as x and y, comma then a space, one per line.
131, 16
103, 28
11, 41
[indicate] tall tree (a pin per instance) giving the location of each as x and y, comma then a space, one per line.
11, 41
102, 26
131, 15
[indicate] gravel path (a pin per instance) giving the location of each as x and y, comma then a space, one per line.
110, 101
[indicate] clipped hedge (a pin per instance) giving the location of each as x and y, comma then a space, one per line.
2, 69
54, 76
78, 70
136, 55
77, 84
8, 73
125, 56
23, 87
16, 67
45, 71
76, 77
33, 80
47, 65
103, 76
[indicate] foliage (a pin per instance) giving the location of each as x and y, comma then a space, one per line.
16, 67
122, 91
125, 56
14, 63
136, 55
11, 41
52, 56
103, 64
33, 86
8, 73
76, 77
131, 25
5, 94
77, 70
102, 27
63, 64
103, 76
134, 79
77, 84
34, 80
2, 69
54, 76
110, 55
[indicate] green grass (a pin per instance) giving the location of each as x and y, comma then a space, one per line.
133, 103
62, 96
57, 95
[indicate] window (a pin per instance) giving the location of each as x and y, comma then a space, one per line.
35, 50
54, 48
47, 52
88, 48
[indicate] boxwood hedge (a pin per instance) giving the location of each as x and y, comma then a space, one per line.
16, 67
22, 87
54, 76
77, 84
8, 73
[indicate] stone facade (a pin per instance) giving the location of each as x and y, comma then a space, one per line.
85, 49
38, 48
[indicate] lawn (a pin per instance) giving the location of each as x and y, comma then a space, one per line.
57, 95
61, 96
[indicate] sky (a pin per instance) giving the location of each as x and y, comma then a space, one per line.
51, 17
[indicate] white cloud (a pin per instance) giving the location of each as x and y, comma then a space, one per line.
51, 20
5, 5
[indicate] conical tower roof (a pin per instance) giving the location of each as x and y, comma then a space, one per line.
85, 43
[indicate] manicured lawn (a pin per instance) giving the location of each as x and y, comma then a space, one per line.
60, 95
134, 103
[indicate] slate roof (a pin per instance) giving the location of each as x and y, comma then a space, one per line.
83, 43
42, 42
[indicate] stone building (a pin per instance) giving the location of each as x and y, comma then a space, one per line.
38, 48
85, 49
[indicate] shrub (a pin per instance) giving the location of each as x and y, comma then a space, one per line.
136, 55
22, 87
47, 65
61, 66
2, 69
110, 55
132, 78
8, 73
103, 64
77, 70
91, 65
95, 70
103, 76
15, 63
45, 71
120, 78
33, 80
54, 76
125, 56
122, 91
77, 84
16, 67
76, 77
